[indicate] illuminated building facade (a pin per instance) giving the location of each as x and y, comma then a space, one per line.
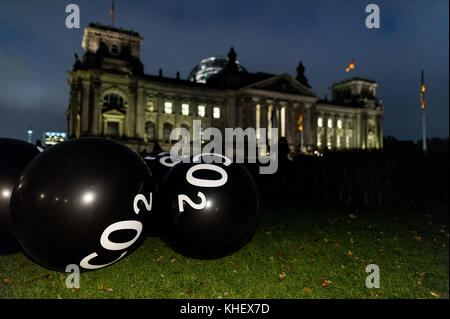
52, 138
111, 96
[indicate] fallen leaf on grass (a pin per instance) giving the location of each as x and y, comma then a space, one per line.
281, 254
105, 288
8, 281
159, 258
306, 289
352, 216
374, 293
418, 238
59, 297
303, 249
435, 294
173, 260
140, 282
282, 275
350, 253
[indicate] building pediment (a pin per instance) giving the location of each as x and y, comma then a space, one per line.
283, 83
114, 114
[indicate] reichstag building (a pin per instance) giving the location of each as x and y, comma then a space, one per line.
111, 96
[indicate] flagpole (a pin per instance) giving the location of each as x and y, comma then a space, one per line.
112, 13
424, 132
422, 105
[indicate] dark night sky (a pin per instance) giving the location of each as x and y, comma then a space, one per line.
36, 50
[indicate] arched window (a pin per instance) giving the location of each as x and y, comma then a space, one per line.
150, 130
167, 129
113, 101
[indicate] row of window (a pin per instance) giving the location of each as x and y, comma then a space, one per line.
339, 141
115, 101
150, 130
330, 123
201, 109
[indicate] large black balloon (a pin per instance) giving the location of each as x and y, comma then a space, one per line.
14, 157
207, 210
159, 163
76, 203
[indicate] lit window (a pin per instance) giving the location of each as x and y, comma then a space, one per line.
168, 107
338, 141
185, 109
330, 123
319, 141
113, 101
216, 112
320, 122
339, 123
201, 111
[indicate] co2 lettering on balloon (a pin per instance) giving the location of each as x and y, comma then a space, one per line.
122, 225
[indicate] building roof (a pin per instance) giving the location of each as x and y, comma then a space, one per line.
111, 28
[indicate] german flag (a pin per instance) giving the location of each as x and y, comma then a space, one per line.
350, 66
300, 121
422, 92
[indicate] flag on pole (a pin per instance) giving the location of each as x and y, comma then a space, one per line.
300, 121
350, 66
422, 92
111, 12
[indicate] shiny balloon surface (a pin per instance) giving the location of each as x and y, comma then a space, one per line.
82, 202
207, 210
14, 157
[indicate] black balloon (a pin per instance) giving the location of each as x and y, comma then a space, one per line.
160, 163
14, 157
82, 202
207, 211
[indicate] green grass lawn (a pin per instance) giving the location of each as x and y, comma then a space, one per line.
301, 253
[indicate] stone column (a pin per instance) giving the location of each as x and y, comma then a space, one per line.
140, 114
130, 120
159, 106
74, 108
85, 108
263, 116
358, 131
95, 122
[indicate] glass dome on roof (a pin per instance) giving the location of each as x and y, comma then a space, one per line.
209, 66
